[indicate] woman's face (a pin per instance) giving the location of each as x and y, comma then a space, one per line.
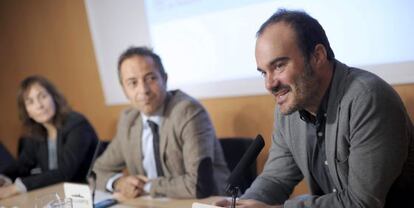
39, 104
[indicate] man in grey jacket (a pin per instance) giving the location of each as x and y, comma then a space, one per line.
343, 129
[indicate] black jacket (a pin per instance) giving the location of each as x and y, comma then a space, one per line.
76, 143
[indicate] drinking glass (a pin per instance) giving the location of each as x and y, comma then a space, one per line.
62, 203
45, 201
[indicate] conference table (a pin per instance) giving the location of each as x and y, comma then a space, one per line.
28, 200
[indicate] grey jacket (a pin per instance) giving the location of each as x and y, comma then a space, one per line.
191, 156
369, 148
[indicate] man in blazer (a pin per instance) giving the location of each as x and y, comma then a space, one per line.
166, 140
343, 129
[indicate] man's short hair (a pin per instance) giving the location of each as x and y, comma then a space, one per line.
308, 31
144, 52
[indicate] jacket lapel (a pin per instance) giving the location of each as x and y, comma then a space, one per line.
135, 144
334, 108
165, 126
163, 143
299, 141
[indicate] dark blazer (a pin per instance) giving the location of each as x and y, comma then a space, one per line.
76, 142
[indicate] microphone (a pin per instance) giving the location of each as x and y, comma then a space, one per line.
91, 178
248, 158
90, 172
91, 175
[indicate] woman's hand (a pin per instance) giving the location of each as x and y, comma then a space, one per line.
4, 181
8, 191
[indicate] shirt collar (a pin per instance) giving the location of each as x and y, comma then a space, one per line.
321, 113
157, 117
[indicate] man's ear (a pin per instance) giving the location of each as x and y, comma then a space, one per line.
165, 77
319, 55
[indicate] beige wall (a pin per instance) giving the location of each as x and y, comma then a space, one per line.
52, 38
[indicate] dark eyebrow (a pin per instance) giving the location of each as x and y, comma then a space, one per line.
130, 79
149, 74
274, 61
278, 59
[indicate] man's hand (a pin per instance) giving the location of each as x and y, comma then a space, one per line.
245, 203
8, 191
130, 186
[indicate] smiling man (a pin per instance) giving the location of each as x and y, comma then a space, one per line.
165, 140
343, 129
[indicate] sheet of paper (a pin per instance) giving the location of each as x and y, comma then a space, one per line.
200, 205
79, 193
102, 195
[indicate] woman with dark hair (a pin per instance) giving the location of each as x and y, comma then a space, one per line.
57, 143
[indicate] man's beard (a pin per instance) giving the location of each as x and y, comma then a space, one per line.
304, 90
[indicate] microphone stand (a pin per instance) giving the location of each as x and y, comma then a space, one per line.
234, 191
91, 175
247, 159
92, 180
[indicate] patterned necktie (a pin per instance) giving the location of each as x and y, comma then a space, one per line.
156, 145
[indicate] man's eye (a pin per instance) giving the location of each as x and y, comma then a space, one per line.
132, 83
151, 78
280, 66
263, 73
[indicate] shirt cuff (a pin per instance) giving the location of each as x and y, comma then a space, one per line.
20, 185
110, 183
147, 187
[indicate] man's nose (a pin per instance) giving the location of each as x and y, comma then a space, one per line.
271, 81
143, 88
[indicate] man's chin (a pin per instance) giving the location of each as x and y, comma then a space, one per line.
148, 112
143, 109
287, 110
